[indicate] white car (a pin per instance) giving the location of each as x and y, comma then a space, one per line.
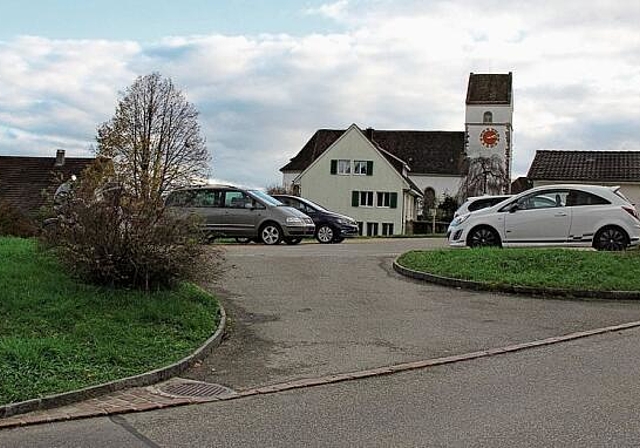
474, 203
553, 215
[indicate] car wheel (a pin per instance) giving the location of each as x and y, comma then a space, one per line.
325, 234
292, 241
243, 240
611, 238
483, 237
270, 234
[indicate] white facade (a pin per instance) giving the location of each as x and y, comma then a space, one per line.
489, 131
443, 186
384, 201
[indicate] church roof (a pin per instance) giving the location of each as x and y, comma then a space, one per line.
595, 166
489, 89
424, 152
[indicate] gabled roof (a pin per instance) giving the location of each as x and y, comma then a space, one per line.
23, 179
489, 89
424, 152
596, 166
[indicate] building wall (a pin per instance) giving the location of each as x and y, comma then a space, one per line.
501, 113
501, 122
335, 190
631, 191
288, 178
442, 185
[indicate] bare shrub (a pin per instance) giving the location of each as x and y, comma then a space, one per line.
15, 223
107, 237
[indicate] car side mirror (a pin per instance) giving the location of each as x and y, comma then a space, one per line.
514, 207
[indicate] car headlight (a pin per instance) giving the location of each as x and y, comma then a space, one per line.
294, 220
460, 219
345, 221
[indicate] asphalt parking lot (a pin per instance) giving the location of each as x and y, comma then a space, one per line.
312, 310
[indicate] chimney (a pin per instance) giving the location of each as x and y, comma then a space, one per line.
59, 158
369, 133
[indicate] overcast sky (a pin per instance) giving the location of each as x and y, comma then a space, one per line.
265, 75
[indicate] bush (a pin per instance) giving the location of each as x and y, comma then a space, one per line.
107, 237
14, 223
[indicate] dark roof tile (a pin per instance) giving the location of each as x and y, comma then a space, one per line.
425, 152
23, 180
489, 89
596, 166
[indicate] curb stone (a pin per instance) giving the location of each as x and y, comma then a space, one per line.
143, 379
513, 289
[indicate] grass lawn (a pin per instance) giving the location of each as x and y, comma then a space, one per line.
551, 268
57, 335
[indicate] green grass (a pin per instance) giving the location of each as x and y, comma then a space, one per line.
57, 335
550, 268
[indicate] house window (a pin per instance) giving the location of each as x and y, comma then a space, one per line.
487, 117
340, 166
384, 199
387, 228
366, 198
372, 228
344, 166
363, 167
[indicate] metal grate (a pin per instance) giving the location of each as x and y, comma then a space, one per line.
195, 389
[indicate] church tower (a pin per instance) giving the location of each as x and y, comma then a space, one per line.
488, 121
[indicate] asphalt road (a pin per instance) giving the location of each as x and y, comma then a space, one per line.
311, 310
583, 393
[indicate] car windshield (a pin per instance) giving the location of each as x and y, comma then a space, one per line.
313, 204
264, 197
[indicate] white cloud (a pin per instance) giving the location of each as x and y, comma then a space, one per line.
397, 65
336, 10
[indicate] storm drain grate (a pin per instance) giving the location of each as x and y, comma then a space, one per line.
195, 389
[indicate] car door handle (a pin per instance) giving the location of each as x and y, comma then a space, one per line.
560, 214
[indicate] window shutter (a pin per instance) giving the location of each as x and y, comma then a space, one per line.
393, 200
369, 167
334, 167
355, 198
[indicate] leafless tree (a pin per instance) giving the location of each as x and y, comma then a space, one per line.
486, 175
154, 139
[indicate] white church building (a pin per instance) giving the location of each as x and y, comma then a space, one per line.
380, 177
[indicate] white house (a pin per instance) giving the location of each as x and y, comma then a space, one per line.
357, 177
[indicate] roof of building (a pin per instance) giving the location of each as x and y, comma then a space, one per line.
23, 180
424, 152
566, 166
489, 88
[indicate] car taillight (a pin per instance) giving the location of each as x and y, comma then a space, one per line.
632, 211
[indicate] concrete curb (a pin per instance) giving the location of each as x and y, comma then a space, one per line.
514, 289
144, 379
422, 364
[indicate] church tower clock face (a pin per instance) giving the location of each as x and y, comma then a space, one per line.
489, 137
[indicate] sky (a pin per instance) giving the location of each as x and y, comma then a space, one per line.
265, 75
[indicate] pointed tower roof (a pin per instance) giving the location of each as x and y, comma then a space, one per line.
489, 89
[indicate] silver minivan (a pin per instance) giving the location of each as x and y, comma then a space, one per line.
229, 211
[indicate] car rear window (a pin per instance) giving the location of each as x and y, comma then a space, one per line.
579, 197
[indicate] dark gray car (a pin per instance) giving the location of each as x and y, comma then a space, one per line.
229, 211
331, 227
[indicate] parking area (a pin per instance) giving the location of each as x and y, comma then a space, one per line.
311, 310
